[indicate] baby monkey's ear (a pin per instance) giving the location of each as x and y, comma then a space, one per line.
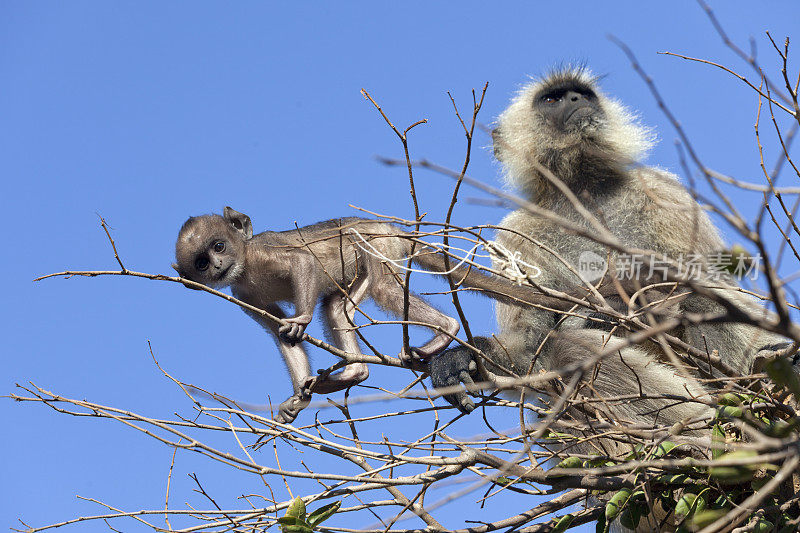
239, 221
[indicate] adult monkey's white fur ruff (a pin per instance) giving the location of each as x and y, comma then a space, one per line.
619, 132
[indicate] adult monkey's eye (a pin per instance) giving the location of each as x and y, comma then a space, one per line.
550, 98
201, 263
219, 247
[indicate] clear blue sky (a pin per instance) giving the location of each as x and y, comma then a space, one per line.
149, 112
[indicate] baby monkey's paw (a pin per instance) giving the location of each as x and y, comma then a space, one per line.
290, 408
416, 355
293, 331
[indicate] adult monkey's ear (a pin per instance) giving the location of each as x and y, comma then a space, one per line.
497, 141
239, 221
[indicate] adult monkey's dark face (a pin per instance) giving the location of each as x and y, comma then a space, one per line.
557, 122
568, 106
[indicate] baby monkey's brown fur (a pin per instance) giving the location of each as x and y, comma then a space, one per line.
339, 261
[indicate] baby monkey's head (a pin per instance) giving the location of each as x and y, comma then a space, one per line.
210, 248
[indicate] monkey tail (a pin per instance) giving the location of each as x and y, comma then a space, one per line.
406, 248
495, 287
432, 261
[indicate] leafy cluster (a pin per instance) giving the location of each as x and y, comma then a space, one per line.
748, 440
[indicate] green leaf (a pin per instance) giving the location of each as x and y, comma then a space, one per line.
563, 523
718, 438
554, 435
730, 398
781, 372
673, 479
637, 495
569, 462
763, 526
721, 502
728, 474
630, 516
636, 452
690, 503
779, 428
616, 504
707, 517
296, 529
323, 513
729, 411
297, 508
293, 524
663, 449
731, 475
598, 461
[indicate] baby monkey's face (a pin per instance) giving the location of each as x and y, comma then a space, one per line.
209, 251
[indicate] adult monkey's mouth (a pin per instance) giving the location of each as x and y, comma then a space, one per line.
579, 113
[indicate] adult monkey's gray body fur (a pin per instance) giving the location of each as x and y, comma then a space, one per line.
340, 262
563, 126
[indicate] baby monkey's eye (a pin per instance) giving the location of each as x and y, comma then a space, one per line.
219, 247
201, 263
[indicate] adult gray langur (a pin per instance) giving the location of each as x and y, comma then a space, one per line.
574, 152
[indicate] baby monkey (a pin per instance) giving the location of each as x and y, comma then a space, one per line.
327, 261
338, 261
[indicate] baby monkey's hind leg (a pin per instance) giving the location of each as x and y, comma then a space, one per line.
339, 313
388, 293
